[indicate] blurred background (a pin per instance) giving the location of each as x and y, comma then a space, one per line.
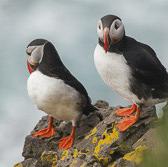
71, 26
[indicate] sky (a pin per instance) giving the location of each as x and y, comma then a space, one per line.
71, 26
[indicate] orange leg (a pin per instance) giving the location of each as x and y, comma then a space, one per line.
127, 122
46, 132
67, 142
126, 111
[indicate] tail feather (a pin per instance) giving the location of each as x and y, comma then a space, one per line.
89, 109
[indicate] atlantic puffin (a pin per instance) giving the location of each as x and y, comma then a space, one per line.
55, 90
130, 68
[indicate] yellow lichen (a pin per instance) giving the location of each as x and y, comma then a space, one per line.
111, 152
18, 165
112, 165
108, 138
64, 154
54, 162
104, 160
93, 131
49, 157
136, 155
75, 153
94, 140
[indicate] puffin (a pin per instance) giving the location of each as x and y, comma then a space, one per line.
54, 90
130, 68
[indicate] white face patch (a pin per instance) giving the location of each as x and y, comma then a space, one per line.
116, 31
35, 54
100, 30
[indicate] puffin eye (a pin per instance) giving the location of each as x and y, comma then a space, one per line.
100, 30
99, 25
28, 53
116, 26
30, 49
116, 31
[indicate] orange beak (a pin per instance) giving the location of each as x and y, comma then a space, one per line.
29, 67
106, 39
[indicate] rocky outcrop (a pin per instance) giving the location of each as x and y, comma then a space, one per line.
98, 142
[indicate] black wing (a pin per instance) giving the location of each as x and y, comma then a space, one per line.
52, 66
144, 63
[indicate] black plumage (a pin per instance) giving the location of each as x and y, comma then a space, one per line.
51, 65
55, 90
108, 19
149, 77
129, 67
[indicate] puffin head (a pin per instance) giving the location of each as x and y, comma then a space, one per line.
110, 30
35, 52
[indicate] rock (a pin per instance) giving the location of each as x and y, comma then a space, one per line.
98, 143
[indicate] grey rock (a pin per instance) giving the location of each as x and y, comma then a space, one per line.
98, 143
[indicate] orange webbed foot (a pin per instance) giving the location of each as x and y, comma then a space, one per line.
67, 142
46, 132
126, 111
127, 122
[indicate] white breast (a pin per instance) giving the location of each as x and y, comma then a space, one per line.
53, 96
115, 72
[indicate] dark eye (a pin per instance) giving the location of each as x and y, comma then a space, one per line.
99, 26
116, 26
28, 53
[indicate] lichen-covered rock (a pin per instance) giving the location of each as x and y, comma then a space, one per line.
98, 142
